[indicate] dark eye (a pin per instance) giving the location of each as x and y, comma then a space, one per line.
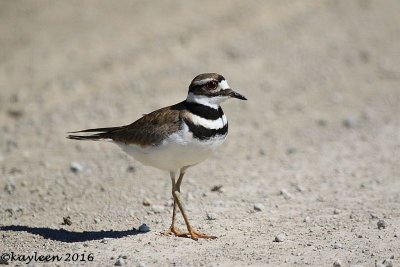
212, 85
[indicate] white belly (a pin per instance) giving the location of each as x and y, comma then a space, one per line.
176, 151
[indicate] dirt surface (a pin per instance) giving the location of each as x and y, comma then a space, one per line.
311, 159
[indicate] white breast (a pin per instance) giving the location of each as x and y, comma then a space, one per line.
178, 150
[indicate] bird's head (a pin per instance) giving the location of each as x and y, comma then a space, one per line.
211, 89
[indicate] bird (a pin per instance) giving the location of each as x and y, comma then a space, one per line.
176, 137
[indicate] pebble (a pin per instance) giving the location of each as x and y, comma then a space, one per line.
336, 211
157, 208
9, 188
321, 122
211, 216
280, 237
76, 167
286, 194
146, 202
337, 246
131, 169
217, 188
307, 219
67, 221
384, 263
337, 263
300, 188
142, 264
258, 207
381, 224
144, 228
119, 262
350, 122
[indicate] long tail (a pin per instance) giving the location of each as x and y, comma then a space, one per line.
102, 133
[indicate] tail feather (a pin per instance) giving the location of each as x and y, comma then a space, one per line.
103, 130
102, 133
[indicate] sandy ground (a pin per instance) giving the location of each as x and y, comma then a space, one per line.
316, 148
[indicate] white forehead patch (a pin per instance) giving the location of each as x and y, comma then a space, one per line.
223, 84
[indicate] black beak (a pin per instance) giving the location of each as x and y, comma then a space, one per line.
234, 94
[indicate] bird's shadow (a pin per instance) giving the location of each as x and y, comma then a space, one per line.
63, 235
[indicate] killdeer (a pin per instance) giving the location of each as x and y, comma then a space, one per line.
177, 137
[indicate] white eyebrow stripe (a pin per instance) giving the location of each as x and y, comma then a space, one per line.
204, 81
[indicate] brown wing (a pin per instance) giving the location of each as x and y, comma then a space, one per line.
151, 129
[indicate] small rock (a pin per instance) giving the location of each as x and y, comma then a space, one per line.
384, 263
142, 264
217, 188
131, 169
307, 219
290, 150
373, 216
350, 122
321, 122
67, 221
211, 216
119, 262
280, 237
299, 188
15, 113
157, 208
337, 263
96, 220
336, 211
9, 188
144, 228
286, 194
76, 167
258, 207
381, 224
337, 246
146, 203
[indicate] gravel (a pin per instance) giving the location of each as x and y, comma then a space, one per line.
258, 207
336, 211
337, 263
286, 194
384, 263
157, 208
76, 167
67, 221
350, 122
119, 262
217, 188
280, 237
144, 228
211, 216
381, 224
337, 246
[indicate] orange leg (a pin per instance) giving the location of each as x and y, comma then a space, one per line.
192, 233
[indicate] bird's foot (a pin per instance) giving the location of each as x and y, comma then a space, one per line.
173, 230
195, 235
